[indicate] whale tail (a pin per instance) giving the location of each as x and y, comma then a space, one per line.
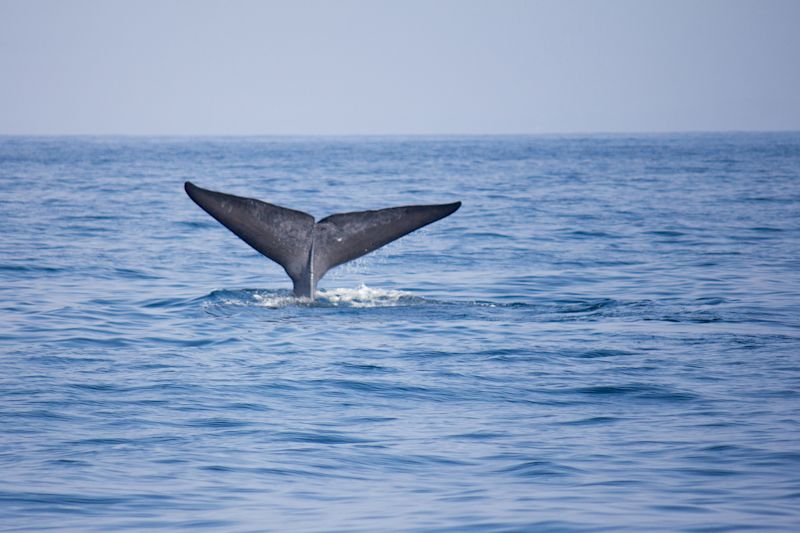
307, 249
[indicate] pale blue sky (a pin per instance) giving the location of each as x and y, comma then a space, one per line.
402, 67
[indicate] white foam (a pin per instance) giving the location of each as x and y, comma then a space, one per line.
275, 301
363, 296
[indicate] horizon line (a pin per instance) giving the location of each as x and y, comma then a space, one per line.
472, 134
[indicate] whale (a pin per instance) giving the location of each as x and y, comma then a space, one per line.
304, 247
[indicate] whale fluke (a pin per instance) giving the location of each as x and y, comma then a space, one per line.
307, 249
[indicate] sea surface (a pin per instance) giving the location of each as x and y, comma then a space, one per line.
605, 337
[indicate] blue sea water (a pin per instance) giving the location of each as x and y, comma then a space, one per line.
606, 337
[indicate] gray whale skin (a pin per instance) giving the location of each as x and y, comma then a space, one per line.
307, 249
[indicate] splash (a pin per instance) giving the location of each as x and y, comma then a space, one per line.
359, 297
363, 296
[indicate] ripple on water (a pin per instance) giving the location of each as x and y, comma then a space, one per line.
604, 338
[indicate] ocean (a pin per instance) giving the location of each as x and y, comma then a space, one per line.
605, 337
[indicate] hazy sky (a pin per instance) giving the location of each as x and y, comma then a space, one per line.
364, 67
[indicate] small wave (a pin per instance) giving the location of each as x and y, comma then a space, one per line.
638, 390
30, 268
539, 468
